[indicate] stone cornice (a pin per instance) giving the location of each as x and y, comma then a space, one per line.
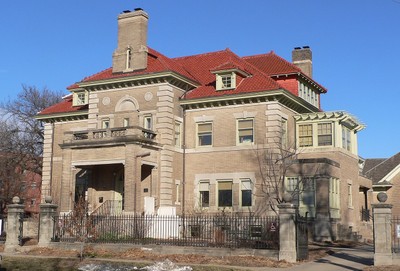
139, 80
283, 96
68, 116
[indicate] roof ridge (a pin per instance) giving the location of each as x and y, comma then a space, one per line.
204, 54
259, 55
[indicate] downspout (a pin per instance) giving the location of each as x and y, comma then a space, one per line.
184, 161
51, 160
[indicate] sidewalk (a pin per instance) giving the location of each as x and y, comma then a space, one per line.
343, 259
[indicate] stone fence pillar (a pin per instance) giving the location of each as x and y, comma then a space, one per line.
46, 223
382, 214
287, 232
15, 213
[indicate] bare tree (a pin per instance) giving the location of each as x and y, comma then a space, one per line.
21, 141
277, 162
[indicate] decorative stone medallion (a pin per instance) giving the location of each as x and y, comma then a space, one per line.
148, 96
382, 197
106, 101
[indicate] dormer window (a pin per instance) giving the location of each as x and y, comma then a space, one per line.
226, 81
80, 98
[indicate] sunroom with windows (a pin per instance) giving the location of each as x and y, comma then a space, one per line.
327, 129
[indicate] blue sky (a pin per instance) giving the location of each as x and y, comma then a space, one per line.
355, 44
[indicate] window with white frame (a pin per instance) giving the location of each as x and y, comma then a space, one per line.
177, 137
284, 136
177, 192
307, 191
305, 135
204, 134
225, 81
80, 98
225, 193
105, 123
204, 193
245, 131
334, 197
325, 134
291, 184
148, 122
126, 122
308, 94
303, 191
246, 193
350, 195
346, 138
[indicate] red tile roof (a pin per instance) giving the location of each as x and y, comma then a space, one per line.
274, 65
156, 62
65, 106
200, 68
202, 65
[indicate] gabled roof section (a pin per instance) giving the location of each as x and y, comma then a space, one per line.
61, 108
202, 66
384, 169
230, 66
156, 63
274, 66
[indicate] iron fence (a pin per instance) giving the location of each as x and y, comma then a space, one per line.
231, 231
396, 234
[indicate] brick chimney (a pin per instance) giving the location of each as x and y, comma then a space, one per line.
302, 58
131, 53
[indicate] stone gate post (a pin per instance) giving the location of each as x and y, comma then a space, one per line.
287, 232
46, 224
382, 214
15, 212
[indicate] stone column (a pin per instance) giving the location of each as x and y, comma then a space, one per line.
382, 231
287, 232
15, 211
46, 223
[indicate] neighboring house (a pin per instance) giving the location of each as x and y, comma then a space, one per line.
154, 134
385, 176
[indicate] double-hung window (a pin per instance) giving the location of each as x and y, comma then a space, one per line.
349, 195
346, 138
284, 136
302, 190
204, 134
105, 123
334, 197
305, 135
177, 137
324, 134
225, 194
246, 193
148, 122
204, 188
126, 122
245, 131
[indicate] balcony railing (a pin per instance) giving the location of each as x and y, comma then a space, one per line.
98, 136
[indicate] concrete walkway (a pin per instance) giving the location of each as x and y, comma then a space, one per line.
343, 259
